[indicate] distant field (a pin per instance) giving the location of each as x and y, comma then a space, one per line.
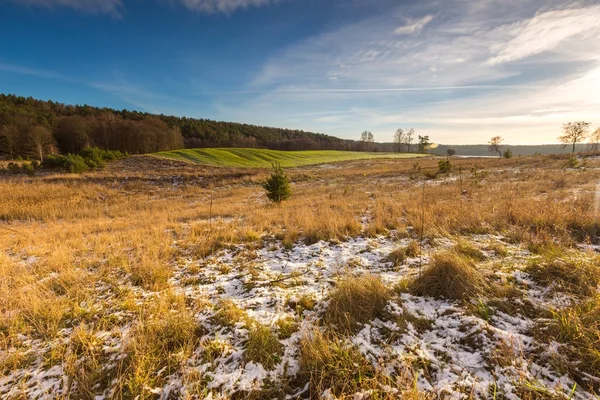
260, 158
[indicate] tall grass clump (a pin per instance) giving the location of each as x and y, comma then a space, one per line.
161, 341
328, 363
263, 347
574, 275
356, 301
452, 276
578, 329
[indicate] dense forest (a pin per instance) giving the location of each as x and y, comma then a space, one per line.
35, 128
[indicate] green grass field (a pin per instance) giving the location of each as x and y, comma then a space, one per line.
261, 158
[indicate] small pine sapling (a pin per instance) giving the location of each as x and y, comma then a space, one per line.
278, 185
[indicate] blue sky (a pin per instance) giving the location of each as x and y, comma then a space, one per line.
460, 71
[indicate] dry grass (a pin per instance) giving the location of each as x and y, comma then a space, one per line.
578, 328
263, 347
327, 363
451, 276
356, 301
570, 272
399, 255
89, 253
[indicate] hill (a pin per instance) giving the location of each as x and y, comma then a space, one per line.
238, 157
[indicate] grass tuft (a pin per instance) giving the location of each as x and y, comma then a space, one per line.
571, 274
452, 276
263, 347
356, 301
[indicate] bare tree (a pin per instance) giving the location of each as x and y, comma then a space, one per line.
40, 139
594, 144
574, 132
367, 140
399, 138
495, 145
409, 137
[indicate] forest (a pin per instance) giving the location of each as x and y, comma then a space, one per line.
35, 128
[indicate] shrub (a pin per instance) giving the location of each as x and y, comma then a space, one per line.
89, 158
76, 164
278, 185
572, 162
452, 276
444, 166
52, 162
356, 301
507, 153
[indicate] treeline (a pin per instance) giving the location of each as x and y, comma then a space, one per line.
482, 150
35, 128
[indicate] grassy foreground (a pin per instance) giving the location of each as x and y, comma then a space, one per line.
261, 158
381, 280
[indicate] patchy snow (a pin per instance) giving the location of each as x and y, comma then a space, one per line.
456, 353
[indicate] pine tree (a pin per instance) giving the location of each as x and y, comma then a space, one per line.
278, 185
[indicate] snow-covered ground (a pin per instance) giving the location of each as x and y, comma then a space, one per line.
457, 353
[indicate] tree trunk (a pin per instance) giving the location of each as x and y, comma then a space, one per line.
574, 147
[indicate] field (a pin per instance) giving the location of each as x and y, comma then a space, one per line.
264, 158
378, 279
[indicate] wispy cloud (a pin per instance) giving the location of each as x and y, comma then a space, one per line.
224, 6
413, 26
116, 7
549, 30
112, 7
483, 67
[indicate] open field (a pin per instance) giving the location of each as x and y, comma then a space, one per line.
378, 279
264, 158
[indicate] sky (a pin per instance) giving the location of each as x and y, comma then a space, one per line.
459, 71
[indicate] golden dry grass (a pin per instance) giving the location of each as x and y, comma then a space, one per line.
93, 252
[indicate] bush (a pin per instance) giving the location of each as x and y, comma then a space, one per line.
278, 185
444, 166
89, 158
53, 162
507, 153
76, 164
572, 162
27, 168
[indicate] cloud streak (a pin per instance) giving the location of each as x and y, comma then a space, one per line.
112, 7
413, 26
224, 6
117, 7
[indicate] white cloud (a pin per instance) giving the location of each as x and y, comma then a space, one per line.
112, 7
546, 31
224, 6
414, 26
441, 81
